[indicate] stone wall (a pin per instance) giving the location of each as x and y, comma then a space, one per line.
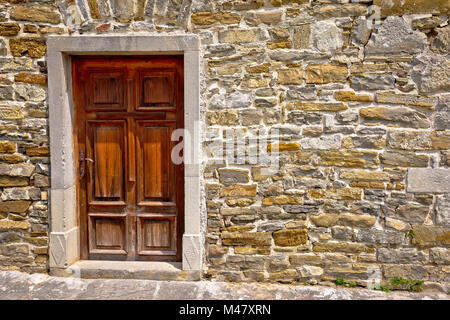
360, 99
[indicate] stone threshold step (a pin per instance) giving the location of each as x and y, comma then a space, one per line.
144, 270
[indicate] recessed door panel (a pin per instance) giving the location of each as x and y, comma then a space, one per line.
106, 157
156, 235
155, 168
105, 89
156, 89
107, 234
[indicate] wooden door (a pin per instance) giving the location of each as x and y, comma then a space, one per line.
130, 193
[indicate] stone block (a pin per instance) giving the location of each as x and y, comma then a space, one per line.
441, 44
337, 193
232, 176
241, 36
6, 93
260, 239
329, 142
400, 116
250, 117
426, 24
372, 82
443, 210
56, 30
216, 251
342, 233
244, 5
401, 256
281, 200
251, 251
411, 212
404, 159
19, 206
364, 175
357, 221
278, 3
305, 259
209, 18
329, 220
16, 170
7, 147
397, 224
325, 73
405, 272
430, 236
350, 96
34, 14
6, 225
346, 247
395, 36
245, 262
283, 146
8, 181
225, 118
309, 271
261, 68
431, 73
35, 48
238, 190
266, 17
302, 36
31, 78
41, 151
341, 10
419, 140
326, 36
442, 117
428, 180
25, 193
41, 181
361, 31
291, 237
285, 276
440, 256
406, 99
317, 106
350, 159
277, 264
401, 7
380, 236
30, 92
9, 29
290, 76
237, 211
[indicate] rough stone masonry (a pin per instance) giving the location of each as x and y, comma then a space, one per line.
357, 89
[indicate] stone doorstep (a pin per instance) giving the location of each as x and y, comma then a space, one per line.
144, 270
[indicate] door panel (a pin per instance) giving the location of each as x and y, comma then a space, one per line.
156, 235
105, 89
155, 168
131, 195
156, 89
107, 234
107, 149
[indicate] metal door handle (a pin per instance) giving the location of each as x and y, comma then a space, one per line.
82, 161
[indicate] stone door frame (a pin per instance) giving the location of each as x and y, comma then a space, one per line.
64, 247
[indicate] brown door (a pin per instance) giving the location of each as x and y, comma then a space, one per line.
131, 194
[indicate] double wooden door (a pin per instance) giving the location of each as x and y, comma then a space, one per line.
130, 192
